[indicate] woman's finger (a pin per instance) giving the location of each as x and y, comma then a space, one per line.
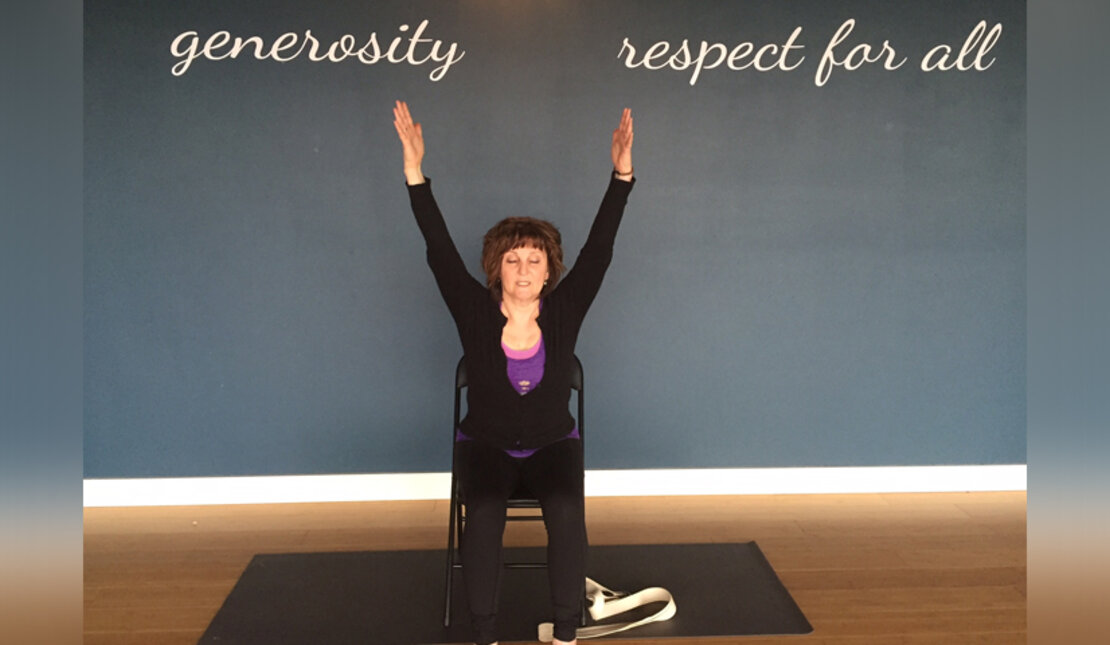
401, 113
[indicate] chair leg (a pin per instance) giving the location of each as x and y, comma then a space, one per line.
450, 556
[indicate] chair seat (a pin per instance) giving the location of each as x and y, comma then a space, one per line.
521, 497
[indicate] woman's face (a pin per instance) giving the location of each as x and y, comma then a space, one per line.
523, 272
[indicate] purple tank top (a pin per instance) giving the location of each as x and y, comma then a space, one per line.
524, 368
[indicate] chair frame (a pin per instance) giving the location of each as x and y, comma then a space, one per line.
457, 521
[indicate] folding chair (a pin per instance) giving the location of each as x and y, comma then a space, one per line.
520, 499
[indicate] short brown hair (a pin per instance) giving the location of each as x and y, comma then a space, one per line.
513, 233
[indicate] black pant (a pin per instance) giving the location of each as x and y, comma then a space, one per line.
555, 476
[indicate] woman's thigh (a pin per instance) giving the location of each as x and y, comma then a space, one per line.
486, 473
556, 470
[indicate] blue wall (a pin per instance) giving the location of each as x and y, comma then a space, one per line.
806, 275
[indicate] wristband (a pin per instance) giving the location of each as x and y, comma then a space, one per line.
623, 174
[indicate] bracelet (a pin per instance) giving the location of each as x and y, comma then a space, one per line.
623, 174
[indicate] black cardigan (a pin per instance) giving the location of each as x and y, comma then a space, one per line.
496, 413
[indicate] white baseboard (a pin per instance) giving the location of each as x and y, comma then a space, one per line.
599, 483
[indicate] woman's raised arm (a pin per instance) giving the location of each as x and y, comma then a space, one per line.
581, 283
458, 288
412, 142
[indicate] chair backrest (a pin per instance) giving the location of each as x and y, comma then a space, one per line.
577, 383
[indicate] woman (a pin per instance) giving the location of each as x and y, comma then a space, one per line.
518, 333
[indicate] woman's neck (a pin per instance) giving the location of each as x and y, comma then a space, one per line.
520, 312
521, 330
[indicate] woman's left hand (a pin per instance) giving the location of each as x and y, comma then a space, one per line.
622, 145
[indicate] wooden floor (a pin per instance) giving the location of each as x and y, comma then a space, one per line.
875, 569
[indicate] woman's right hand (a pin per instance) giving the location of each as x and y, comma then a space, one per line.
412, 142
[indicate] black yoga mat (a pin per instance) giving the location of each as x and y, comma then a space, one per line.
396, 597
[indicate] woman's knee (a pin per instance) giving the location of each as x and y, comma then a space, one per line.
486, 509
564, 510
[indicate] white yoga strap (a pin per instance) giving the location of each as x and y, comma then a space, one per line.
605, 602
